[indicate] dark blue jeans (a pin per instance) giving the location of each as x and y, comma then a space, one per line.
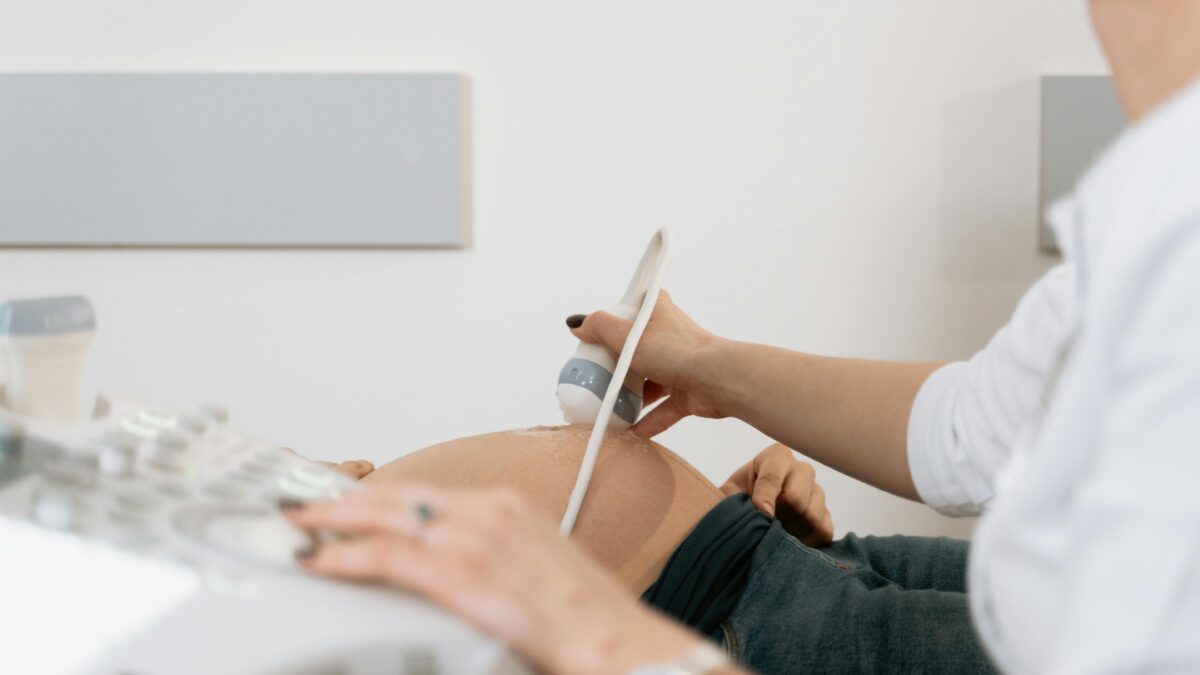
861, 605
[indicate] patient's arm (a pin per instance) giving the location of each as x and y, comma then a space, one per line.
643, 499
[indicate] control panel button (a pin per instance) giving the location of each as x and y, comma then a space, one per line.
223, 491
192, 425
126, 519
316, 475
156, 417
255, 468
117, 455
70, 470
272, 456
214, 413
172, 489
256, 533
291, 487
56, 509
134, 500
168, 451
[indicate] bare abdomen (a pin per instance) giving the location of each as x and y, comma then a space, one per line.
642, 502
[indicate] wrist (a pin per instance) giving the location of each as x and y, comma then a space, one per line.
620, 646
717, 375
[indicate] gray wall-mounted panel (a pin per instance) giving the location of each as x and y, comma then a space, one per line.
233, 160
1081, 117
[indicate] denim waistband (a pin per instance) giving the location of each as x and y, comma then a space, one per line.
705, 577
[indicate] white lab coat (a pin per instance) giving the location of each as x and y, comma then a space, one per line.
1076, 432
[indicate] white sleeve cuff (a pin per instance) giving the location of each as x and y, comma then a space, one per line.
930, 453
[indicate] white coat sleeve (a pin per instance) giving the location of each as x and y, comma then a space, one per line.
967, 416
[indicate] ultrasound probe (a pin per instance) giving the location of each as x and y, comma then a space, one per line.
595, 383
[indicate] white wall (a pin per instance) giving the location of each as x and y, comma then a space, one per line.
845, 177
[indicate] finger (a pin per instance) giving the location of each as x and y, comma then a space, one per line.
653, 391
661, 418
814, 520
730, 488
604, 328
367, 557
393, 510
822, 535
356, 469
798, 488
767, 487
819, 519
398, 561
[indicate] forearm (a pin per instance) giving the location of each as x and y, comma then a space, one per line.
849, 414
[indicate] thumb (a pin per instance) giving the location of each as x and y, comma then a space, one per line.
605, 329
661, 418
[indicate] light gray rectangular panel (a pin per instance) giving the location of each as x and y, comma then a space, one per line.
234, 160
1080, 118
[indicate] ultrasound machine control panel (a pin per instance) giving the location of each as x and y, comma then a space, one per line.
145, 540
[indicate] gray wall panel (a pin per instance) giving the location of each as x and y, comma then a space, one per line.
1081, 117
233, 159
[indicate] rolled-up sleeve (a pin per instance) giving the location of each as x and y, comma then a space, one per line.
967, 416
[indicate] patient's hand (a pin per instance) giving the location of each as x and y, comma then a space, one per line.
783, 487
355, 468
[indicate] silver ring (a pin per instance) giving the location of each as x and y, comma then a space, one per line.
424, 514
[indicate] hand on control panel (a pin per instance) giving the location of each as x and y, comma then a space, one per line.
492, 559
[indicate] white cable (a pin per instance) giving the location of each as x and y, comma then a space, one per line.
661, 244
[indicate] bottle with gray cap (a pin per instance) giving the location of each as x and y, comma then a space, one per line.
44, 343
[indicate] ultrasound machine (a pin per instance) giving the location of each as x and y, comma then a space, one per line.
137, 539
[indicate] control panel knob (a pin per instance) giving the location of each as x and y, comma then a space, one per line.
168, 450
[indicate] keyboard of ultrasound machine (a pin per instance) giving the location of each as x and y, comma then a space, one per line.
184, 487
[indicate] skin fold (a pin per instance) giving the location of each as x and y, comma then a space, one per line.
642, 503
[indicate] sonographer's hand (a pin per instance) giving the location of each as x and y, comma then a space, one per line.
492, 559
675, 355
783, 487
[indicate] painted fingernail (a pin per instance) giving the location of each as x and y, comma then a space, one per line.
306, 552
288, 504
575, 320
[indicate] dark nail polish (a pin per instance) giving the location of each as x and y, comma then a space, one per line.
288, 504
306, 552
575, 320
